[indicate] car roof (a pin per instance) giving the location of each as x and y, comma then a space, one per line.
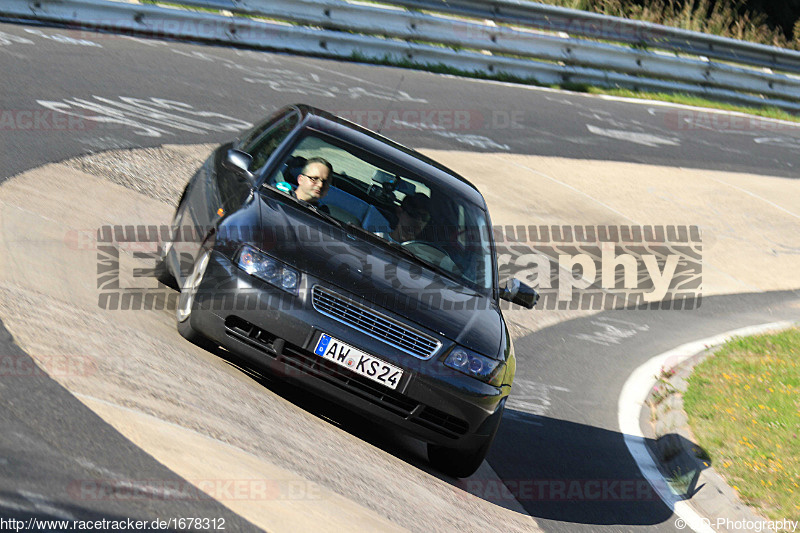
388, 149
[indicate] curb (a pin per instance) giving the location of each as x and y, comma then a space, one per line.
686, 466
632, 418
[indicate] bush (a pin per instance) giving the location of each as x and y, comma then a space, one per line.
747, 20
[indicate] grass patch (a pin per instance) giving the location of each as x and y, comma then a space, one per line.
698, 101
744, 408
677, 98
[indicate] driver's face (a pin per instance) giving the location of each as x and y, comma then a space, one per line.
313, 184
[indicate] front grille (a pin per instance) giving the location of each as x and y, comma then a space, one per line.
374, 324
308, 363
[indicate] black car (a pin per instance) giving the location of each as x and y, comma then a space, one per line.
324, 293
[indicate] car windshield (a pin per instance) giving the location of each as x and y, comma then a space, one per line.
432, 222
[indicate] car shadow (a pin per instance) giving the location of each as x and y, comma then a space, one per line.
570, 472
548, 468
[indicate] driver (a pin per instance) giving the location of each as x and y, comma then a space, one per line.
314, 180
412, 218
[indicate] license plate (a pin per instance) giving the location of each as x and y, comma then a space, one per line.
361, 363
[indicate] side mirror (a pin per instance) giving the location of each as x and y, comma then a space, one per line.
239, 162
518, 293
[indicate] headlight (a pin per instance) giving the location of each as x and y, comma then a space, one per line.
472, 364
266, 268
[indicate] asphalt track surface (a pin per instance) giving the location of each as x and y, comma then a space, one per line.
52, 446
92, 73
130, 92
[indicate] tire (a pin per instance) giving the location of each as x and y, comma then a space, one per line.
183, 312
460, 463
163, 275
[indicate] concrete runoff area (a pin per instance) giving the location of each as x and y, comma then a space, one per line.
133, 369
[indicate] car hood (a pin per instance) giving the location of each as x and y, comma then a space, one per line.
379, 277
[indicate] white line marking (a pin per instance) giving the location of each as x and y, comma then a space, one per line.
570, 187
472, 140
776, 206
623, 99
632, 399
63, 39
350, 77
5, 504
531, 397
646, 139
44, 506
7, 38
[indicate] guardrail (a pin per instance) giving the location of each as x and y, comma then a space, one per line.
596, 26
409, 33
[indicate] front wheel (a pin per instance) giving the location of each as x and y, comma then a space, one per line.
457, 462
161, 271
183, 313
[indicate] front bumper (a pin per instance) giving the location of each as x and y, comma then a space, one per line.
279, 331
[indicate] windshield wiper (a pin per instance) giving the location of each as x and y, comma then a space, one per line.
399, 247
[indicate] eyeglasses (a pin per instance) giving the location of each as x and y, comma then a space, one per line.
316, 179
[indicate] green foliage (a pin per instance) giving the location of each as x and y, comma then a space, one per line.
744, 407
772, 22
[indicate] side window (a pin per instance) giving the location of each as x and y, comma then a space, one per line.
261, 146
